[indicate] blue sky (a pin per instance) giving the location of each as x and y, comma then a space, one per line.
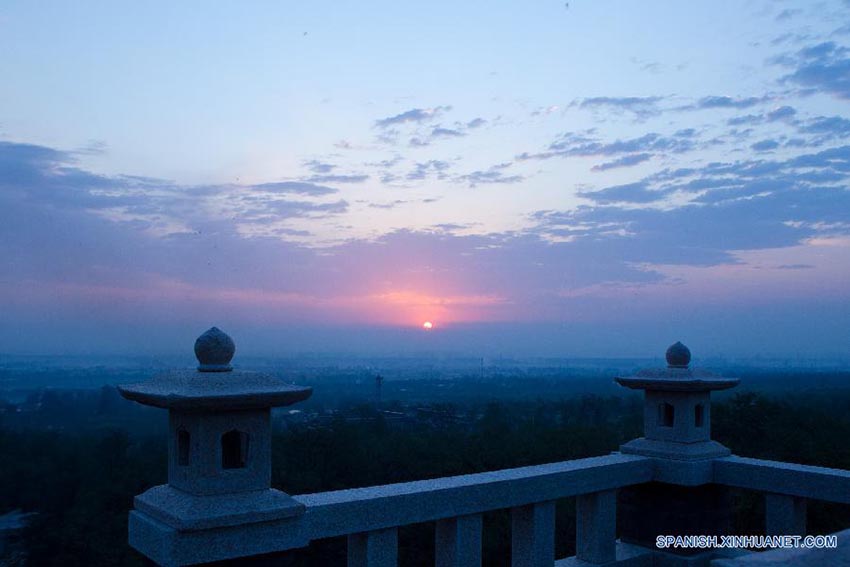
551, 178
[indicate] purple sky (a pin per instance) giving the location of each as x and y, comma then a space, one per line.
583, 179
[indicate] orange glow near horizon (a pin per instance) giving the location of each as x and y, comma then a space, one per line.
427, 325
403, 308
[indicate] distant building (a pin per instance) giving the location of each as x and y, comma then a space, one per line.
379, 383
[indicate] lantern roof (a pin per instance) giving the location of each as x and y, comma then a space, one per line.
678, 376
214, 385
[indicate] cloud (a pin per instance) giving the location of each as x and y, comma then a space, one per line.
787, 14
653, 67
93, 148
641, 107
494, 174
647, 142
631, 193
121, 229
625, 161
781, 113
451, 226
36, 179
414, 115
397, 203
765, 145
317, 166
744, 205
818, 130
386, 163
440, 132
790, 37
829, 127
712, 102
73, 254
386, 167
338, 178
422, 170
823, 67
545, 110
421, 128
748, 119
282, 208
42, 174
388, 136
390, 205
295, 187
573, 144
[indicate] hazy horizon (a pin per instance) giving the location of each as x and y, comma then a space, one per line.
581, 179
490, 340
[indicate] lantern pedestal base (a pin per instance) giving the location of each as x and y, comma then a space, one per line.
185, 512
166, 545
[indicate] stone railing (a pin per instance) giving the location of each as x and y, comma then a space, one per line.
673, 481
370, 516
786, 487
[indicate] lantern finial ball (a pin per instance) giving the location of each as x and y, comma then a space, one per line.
214, 350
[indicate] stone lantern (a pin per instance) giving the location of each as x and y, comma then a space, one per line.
677, 435
218, 502
677, 409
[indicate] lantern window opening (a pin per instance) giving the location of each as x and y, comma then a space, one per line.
183, 447
234, 449
666, 414
699, 415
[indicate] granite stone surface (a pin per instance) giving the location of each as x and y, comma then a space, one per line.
214, 350
185, 512
625, 555
700, 450
203, 471
168, 546
196, 390
677, 380
335, 513
839, 557
818, 483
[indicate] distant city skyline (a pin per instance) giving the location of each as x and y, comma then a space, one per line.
554, 179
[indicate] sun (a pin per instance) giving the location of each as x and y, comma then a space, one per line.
427, 325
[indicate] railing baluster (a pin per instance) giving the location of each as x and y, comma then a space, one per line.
533, 535
784, 515
458, 542
596, 526
378, 548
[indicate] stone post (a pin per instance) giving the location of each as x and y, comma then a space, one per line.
218, 503
677, 434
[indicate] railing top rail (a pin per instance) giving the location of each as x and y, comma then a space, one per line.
364, 509
818, 483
